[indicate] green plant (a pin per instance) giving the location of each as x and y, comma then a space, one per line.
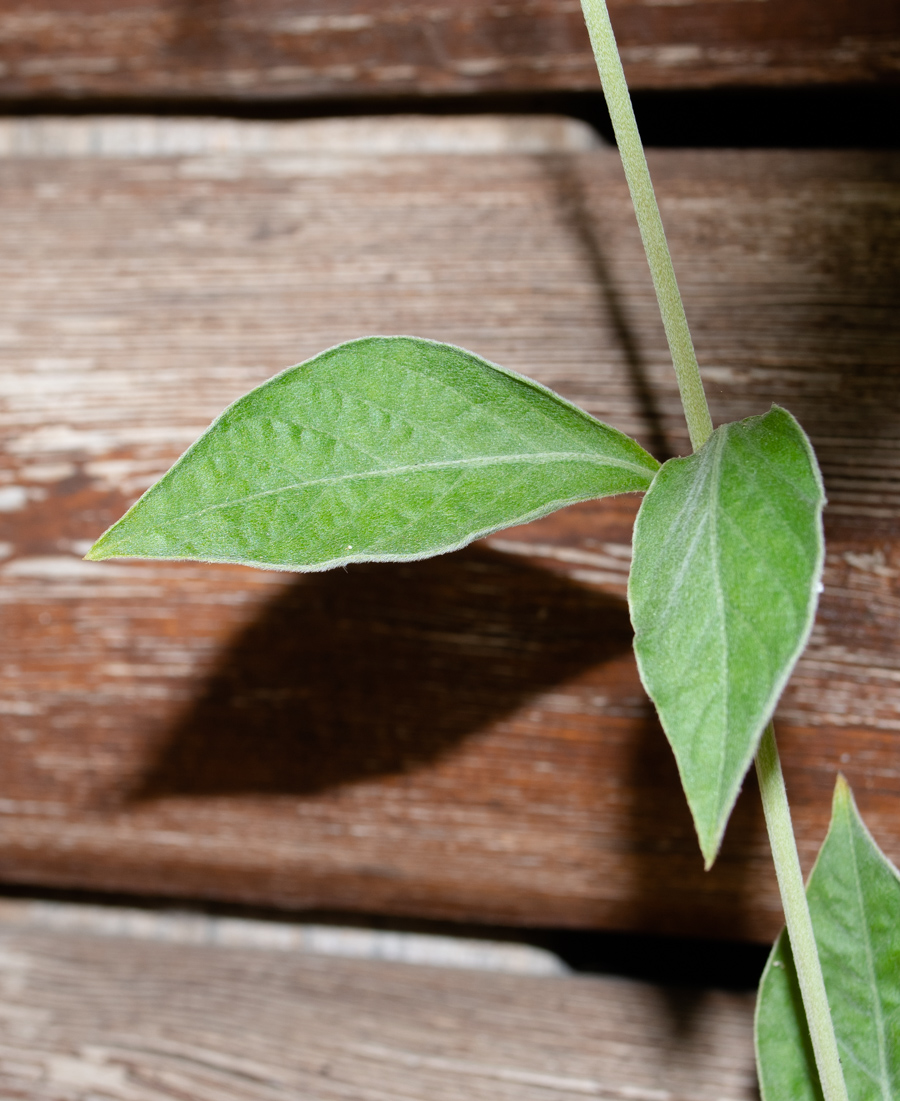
392, 448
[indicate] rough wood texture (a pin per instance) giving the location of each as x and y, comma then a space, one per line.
250, 49
464, 737
93, 1017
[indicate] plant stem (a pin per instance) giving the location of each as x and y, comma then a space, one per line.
696, 411
796, 913
618, 100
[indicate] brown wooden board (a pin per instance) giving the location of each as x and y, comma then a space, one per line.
460, 738
251, 49
92, 1016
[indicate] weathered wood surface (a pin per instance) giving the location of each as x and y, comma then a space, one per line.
168, 925
252, 49
459, 738
86, 1017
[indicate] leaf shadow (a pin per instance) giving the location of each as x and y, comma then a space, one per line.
573, 205
379, 670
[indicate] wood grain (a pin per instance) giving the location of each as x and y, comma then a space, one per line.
86, 1017
459, 738
253, 49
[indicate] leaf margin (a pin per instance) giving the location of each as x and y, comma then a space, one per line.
646, 468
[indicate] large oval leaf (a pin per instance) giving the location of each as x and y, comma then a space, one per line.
381, 449
854, 902
727, 558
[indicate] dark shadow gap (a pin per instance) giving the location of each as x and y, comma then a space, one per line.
681, 962
823, 117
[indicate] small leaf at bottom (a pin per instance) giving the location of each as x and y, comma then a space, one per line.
854, 903
381, 449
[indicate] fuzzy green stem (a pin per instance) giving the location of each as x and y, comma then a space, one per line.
796, 913
618, 101
696, 411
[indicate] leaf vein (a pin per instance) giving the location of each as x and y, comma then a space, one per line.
536, 457
716, 478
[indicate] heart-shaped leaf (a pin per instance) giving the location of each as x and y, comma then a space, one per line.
381, 449
727, 558
854, 903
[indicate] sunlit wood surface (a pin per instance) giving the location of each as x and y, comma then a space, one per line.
460, 738
87, 1016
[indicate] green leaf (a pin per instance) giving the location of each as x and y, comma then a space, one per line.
854, 902
727, 558
381, 449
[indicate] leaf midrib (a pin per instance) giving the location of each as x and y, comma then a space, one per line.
716, 480
539, 457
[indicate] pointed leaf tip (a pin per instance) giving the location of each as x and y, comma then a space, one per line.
728, 553
381, 449
842, 792
854, 902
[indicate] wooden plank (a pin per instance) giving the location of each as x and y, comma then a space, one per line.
463, 738
192, 927
252, 49
94, 1016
